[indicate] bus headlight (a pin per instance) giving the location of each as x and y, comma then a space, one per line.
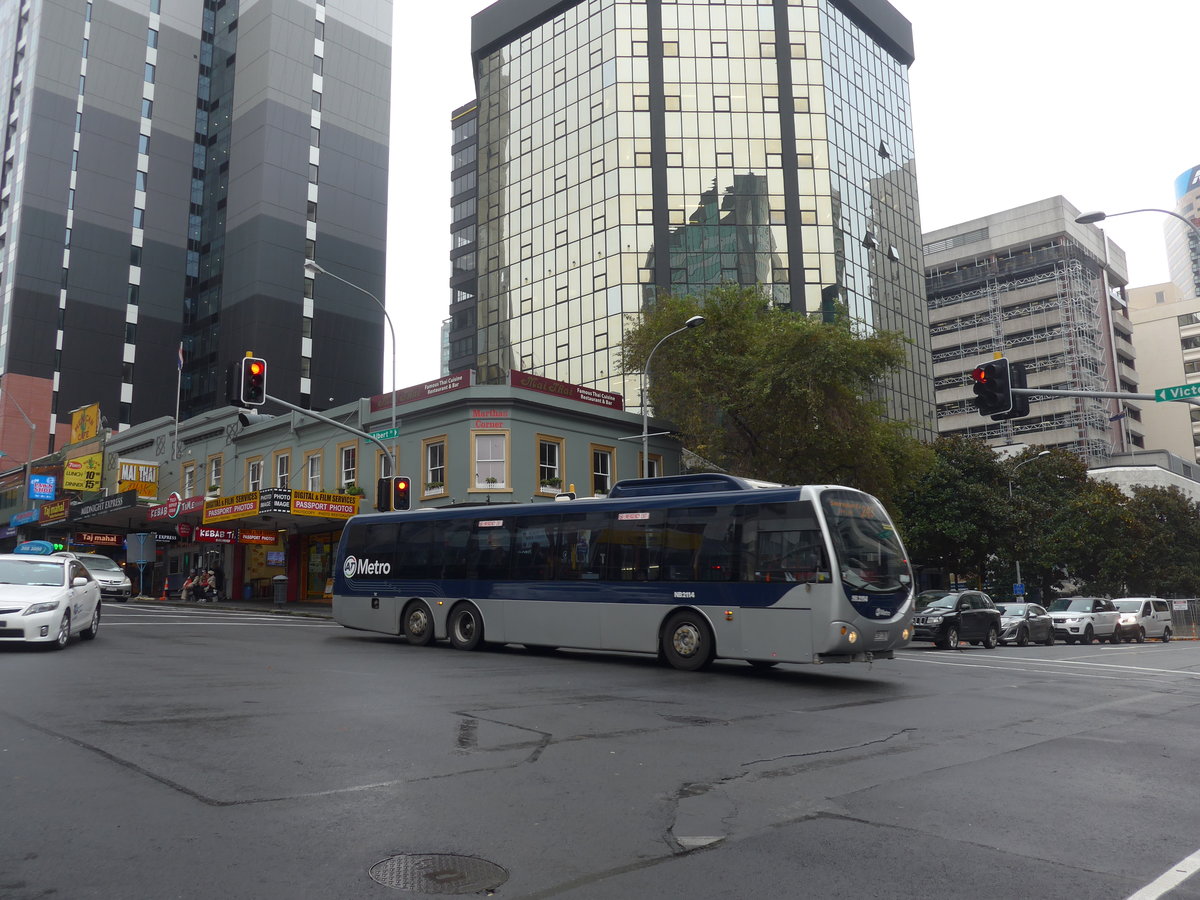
849, 634
904, 634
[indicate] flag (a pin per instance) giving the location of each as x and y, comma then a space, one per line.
1119, 415
181, 356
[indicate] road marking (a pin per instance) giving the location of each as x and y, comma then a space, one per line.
1175, 876
1023, 663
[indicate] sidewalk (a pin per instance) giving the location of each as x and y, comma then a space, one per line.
316, 610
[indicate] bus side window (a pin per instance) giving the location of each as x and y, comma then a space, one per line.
536, 542
489, 553
580, 554
793, 550
455, 534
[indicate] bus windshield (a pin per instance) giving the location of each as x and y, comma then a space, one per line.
868, 550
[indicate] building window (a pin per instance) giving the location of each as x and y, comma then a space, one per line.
214, 473
347, 465
602, 470
189, 480
489, 451
254, 475
283, 469
550, 457
312, 472
654, 469
433, 451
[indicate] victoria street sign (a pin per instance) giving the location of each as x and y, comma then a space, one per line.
1180, 392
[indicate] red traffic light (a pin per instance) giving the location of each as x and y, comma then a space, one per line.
979, 373
253, 381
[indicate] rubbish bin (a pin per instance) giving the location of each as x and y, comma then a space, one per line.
279, 586
247, 592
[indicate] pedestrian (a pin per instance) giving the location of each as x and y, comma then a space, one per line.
189, 587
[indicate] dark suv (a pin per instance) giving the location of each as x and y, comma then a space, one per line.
963, 616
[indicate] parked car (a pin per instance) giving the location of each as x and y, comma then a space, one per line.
114, 583
1085, 619
1025, 622
1143, 617
46, 600
953, 617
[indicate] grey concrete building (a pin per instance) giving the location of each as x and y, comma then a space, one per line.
1031, 284
168, 166
625, 149
1166, 333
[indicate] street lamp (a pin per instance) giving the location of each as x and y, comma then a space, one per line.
1092, 218
690, 323
312, 270
1010, 484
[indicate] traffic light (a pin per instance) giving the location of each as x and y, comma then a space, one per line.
993, 394
254, 381
393, 492
1020, 402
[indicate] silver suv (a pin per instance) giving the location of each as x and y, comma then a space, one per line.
1143, 617
1085, 619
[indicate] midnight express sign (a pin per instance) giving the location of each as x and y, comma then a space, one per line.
124, 500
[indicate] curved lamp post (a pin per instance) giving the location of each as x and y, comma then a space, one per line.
1091, 218
690, 323
1010, 484
312, 270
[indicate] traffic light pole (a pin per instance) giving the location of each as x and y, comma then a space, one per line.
1049, 392
328, 421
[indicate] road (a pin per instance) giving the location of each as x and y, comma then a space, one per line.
207, 753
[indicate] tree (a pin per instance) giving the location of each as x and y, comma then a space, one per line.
1164, 561
768, 393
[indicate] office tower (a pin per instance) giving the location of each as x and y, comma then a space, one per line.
1031, 284
1166, 333
1183, 247
168, 167
464, 197
626, 149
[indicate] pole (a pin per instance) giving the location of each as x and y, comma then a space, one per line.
690, 323
336, 424
1010, 496
178, 391
311, 267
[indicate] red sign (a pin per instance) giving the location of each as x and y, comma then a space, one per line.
455, 382
215, 535
528, 382
257, 536
161, 512
54, 511
184, 529
173, 503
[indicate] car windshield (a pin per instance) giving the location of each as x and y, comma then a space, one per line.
1013, 609
926, 597
101, 564
1129, 605
32, 572
947, 601
1072, 604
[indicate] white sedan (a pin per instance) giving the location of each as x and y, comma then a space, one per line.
46, 600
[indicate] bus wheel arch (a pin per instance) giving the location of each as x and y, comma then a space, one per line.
686, 640
416, 623
464, 626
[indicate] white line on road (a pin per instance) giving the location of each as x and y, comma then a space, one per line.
1175, 876
1023, 663
108, 623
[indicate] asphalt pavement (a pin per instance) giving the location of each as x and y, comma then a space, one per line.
320, 610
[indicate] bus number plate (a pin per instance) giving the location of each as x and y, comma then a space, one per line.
881, 635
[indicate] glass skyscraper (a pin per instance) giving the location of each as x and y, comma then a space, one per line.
631, 147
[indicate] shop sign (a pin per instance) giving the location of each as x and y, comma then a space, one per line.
54, 511
163, 511
327, 506
208, 535
84, 473
23, 518
257, 536
528, 382
436, 388
184, 530
166, 537
85, 423
239, 506
275, 500
7, 532
489, 418
140, 476
127, 500
42, 487
99, 538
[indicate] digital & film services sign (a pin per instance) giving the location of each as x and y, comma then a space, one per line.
222, 509
327, 506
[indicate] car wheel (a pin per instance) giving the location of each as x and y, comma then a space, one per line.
64, 632
466, 627
1049, 642
1089, 635
993, 638
1115, 638
1141, 635
417, 624
89, 633
687, 642
1166, 635
950, 640
1023, 637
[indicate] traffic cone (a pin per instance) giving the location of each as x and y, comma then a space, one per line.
164, 593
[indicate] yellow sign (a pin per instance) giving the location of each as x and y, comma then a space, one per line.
84, 473
135, 475
85, 423
222, 509
326, 506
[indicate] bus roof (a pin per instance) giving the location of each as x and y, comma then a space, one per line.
702, 483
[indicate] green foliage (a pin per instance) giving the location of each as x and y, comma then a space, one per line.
768, 393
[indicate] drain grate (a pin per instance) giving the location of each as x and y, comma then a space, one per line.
438, 873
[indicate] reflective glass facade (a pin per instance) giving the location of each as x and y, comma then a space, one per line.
626, 147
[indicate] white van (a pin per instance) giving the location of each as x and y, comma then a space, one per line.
1143, 617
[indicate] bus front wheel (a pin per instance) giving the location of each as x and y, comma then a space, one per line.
418, 624
687, 642
466, 627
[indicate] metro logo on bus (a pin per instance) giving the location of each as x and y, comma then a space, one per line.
354, 566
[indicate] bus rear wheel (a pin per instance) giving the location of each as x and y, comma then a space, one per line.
465, 627
418, 624
687, 642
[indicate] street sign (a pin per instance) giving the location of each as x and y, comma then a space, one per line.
386, 435
1018, 590
1179, 392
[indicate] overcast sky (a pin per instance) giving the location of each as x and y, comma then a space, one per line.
1012, 102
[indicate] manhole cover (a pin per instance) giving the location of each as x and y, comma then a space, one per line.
438, 873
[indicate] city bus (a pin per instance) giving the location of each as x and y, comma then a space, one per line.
692, 568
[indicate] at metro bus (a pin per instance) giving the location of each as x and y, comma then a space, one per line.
692, 568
